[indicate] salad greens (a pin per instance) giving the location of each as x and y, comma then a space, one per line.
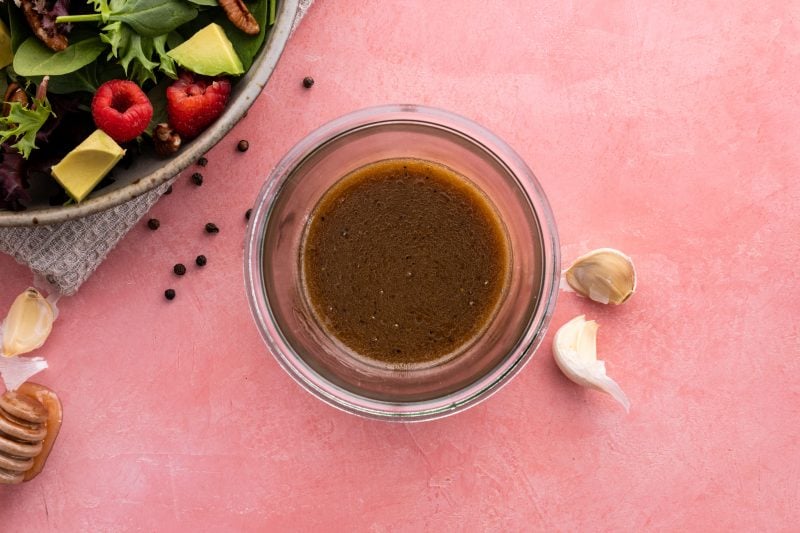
23, 123
149, 18
33, 58
107, 39
137, 32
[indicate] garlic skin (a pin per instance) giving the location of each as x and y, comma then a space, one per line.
14, 371
28, 323
604, 275
575, 352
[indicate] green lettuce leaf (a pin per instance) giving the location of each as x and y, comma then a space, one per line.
23, 123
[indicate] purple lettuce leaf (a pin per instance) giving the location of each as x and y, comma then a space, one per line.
48, 11
13, 181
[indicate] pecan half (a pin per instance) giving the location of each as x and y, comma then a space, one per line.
14, 93
43, 22
166, 141
240, 16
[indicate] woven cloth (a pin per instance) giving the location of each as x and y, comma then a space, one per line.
66, 254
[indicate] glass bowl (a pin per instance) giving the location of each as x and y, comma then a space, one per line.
324, 366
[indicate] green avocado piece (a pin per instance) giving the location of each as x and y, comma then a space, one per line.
208, 52
88, 163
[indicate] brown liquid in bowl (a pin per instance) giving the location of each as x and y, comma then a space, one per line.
404, 261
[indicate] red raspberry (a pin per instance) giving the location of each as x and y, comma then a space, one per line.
121, 109
194, 102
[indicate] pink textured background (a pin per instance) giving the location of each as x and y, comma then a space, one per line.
667, 129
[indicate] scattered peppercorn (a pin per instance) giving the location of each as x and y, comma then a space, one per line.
201, 260
212, 228
169, 190
202, 161
179, 269
197, 179
308, 81
169, 294
247, 214
153, 224
243, 146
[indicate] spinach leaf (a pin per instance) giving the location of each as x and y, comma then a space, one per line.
208, 3
148, 18
82, 80
17, 26
152, 18
86, 79
34, 59
158, 98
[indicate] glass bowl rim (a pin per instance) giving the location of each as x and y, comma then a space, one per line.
340, 397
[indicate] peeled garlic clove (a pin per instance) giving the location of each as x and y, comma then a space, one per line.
605, 275
28, 323
575, 352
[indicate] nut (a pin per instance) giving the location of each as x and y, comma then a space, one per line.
240, 16
165, 140
14, 93
43, 25
29, 422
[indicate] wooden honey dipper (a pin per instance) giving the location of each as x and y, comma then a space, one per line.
30, 418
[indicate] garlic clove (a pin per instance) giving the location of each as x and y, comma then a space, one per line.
575, 352
28, 323
604, 275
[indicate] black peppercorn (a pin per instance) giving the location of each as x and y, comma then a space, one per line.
179, 269
247, 214
202, 161
169, 294
169, 190
212, 228
201, 260
308, 81
243, 146
197, 179
153, 224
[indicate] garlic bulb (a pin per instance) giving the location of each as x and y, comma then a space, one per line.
575, 352
28, 323
605, 275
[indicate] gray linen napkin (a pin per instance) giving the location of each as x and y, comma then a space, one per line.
66, 254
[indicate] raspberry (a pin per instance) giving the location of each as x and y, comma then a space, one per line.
194, 102
121, 109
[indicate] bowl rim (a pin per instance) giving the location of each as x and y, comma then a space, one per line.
337, 396
253, 82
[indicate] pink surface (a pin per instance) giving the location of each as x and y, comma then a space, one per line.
667, 132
